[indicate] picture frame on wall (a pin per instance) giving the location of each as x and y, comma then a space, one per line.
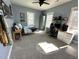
22, 16
7, 10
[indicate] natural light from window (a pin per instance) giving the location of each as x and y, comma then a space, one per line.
30, 18
73, 21
48, 47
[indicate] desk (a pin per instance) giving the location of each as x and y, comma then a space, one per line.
15, 32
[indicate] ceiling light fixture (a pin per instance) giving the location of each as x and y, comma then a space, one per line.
41, 2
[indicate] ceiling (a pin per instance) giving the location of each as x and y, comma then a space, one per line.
28, 3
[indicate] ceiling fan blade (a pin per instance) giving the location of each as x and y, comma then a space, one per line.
35, 2
46, 3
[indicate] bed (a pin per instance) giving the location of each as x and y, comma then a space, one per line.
26, 29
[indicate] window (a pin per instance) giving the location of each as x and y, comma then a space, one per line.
73, 21
49, 19
30, 18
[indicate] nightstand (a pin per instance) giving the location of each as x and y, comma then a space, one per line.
15, 34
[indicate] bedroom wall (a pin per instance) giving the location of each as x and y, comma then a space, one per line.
16, 13
63, 9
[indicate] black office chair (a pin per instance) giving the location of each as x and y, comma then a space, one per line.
53, 30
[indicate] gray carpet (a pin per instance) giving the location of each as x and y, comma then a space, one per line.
28, 48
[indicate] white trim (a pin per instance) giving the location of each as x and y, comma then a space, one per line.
8, 57
9, 54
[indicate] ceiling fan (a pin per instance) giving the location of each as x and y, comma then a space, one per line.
41, 2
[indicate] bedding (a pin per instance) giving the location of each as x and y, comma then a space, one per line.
26, 28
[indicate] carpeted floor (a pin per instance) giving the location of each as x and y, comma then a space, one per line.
28, 48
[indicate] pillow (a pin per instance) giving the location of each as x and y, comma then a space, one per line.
30, 26
23, 23
19, 25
